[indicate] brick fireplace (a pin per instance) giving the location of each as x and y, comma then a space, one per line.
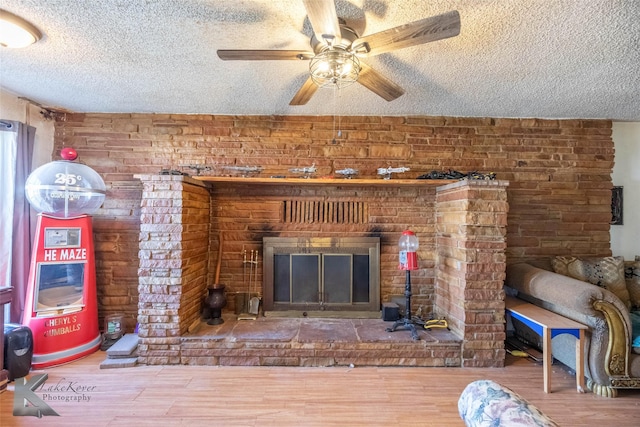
461, 226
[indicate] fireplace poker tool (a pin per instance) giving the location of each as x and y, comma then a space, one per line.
254, 302
245, 315
250, 281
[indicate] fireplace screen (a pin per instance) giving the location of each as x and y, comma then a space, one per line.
339, 274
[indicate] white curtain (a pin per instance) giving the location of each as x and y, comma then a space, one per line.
16, 152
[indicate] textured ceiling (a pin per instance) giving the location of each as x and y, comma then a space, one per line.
513, 58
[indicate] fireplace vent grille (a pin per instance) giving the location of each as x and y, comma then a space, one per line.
327, 212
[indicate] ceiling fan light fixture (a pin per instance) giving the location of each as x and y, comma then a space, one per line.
15, 32
334, 67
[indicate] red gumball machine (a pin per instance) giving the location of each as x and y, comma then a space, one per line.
61, 306
408, 245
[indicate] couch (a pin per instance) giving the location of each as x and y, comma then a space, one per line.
611, 359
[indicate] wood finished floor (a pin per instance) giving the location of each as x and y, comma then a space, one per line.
293, 396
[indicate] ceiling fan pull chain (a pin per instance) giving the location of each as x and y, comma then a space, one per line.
339, 115
335, 108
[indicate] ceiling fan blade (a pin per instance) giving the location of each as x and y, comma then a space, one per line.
263, 55
305, 93
324, 19
411, 34
378, 84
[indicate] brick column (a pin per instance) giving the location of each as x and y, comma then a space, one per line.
174, 259
471, 220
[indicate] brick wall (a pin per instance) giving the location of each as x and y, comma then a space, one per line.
559, 172
174, 255
471, 232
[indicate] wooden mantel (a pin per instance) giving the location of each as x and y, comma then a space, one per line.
325, 181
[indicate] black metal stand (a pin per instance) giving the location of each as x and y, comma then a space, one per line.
406, 323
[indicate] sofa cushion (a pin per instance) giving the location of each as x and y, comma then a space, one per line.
632, 276
606, 272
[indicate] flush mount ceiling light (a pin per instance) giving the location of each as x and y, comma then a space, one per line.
15, 32
334, 67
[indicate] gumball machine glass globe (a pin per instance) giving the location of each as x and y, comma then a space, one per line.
65, 189
408, 241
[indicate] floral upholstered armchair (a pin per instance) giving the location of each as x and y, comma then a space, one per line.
485, 403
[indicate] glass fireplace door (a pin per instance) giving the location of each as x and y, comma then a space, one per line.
309, 281
305, 280
328, 274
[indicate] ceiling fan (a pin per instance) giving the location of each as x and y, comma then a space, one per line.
337, 49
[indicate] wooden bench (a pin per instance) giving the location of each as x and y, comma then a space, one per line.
548, 325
